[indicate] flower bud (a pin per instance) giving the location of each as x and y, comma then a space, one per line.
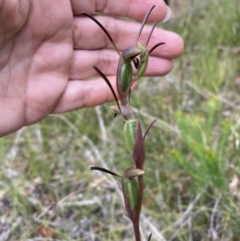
126, 75
129, 134
131, 191
132, 172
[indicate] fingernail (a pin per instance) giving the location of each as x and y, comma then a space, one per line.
168, 15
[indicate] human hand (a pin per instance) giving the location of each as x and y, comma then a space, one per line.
48, 48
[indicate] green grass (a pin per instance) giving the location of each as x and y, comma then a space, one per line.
192, 172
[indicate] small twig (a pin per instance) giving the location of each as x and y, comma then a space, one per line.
37, 219
187, 211
77, 194
101, 123
212, 231
190, 228
181, 220
44, 239
94, 200
7, 229
153, 229
14, 149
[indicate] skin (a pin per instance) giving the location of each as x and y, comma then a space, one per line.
48, 48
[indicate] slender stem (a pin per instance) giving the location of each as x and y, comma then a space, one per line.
137, 231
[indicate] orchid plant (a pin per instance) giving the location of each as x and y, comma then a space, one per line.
132, 177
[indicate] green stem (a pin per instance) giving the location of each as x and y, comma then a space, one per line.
138, 209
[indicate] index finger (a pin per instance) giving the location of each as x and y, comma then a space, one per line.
135, 9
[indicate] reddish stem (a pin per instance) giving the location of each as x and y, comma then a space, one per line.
136, 231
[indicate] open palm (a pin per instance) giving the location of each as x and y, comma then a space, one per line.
47, 50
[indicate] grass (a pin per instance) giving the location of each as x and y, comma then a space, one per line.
192, 173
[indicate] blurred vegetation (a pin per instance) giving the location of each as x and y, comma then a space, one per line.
192, 171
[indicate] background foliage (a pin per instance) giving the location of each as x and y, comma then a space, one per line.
192, 172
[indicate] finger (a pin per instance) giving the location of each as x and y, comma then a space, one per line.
124, 36
158, 67
83, 62
135, 9
80, 94
84, 94
107, 62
